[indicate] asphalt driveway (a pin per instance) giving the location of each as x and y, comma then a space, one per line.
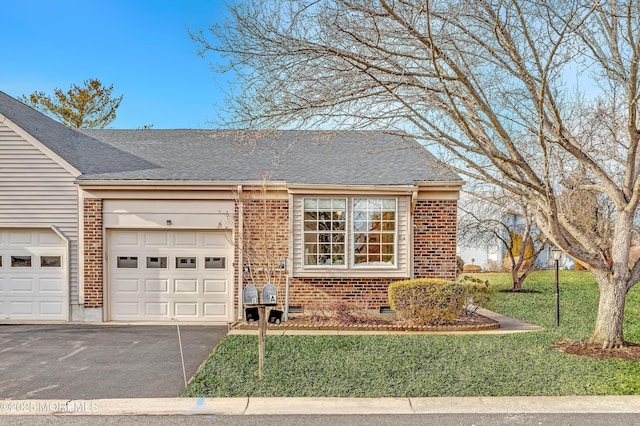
86, 361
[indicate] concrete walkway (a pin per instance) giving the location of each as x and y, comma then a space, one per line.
507, 325
323, 406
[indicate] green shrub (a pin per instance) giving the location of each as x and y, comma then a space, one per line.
472, 268
479, 293
427, 301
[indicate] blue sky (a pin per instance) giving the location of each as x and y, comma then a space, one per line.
140, 46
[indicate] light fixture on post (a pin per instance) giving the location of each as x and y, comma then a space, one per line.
557, 253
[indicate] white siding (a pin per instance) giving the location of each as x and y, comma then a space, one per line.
35, 191
403, 235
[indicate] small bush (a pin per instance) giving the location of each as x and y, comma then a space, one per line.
479, 293
341, 312
472, 268
495, 266
427, 301
459, 264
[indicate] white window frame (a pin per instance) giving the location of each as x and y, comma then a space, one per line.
349, 243
345, 243
351, 219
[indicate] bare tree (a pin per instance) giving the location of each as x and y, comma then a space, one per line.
519, 94
262, 240
488, 217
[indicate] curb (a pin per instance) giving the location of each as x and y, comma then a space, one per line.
322, 406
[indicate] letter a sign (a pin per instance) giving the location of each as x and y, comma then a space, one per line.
269, 295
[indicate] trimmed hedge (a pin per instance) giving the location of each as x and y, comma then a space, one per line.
427, 300
472, 268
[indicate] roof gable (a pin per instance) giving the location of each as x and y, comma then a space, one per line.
84, 153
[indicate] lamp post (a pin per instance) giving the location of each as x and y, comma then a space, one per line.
556, 252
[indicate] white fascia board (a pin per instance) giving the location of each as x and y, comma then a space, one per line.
40, 146
451, 184
95, 184
342, 189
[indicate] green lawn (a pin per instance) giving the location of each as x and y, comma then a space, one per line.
437, 365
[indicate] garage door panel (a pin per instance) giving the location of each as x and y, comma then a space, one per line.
216, 241
126, 309
127, 239
186, 286
51, 308
157, 309
22, 308
51, 286
215, 286
189, 309
48, 239
156, 286
215, 309
186, 239
22, 285
123, 285
156, 239
21, 239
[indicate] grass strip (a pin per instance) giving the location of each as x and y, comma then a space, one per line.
436, 365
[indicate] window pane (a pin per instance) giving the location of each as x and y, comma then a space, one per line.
157, 262
324, 204
50, 261
185, 262
374, 231
20, 261
126, 262
324, 231
215, 262
389, 205
310, 203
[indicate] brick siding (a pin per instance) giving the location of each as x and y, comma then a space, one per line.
93, 252
435, 225
434, 239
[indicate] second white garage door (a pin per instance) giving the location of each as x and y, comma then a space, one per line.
160, 275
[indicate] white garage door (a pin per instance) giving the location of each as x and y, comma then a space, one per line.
33, 275
160, 275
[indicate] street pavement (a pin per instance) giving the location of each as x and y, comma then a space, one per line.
579, 405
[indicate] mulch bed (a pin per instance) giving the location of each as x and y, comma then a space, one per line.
630, 352
463, 323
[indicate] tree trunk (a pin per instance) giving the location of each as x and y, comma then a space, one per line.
608, 331
517, 282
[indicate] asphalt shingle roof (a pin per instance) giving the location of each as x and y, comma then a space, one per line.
296, 157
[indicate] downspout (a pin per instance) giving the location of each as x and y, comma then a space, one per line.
240, 238
286, 290
414, 201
